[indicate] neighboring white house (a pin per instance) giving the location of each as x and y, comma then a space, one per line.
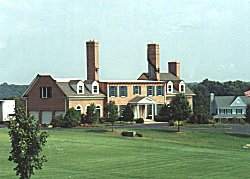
7, 108
228, 106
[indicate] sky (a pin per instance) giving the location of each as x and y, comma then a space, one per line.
210, 38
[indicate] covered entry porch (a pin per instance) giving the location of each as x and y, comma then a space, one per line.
140, 105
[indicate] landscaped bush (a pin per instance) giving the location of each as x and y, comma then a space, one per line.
57, 121
139, 121
175, 123
161, 119
72, 118
149, 117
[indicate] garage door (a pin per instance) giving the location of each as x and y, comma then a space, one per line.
46, 117
35, 114
57, 113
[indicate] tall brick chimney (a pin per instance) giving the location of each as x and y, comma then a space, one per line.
153, 55
92, 60
174, 68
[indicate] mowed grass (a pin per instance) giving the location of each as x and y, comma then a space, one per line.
99, 153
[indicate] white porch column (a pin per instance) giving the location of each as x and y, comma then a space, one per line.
146, 111
138, 111
153, 116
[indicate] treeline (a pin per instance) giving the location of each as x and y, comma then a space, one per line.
203, 90
11, 90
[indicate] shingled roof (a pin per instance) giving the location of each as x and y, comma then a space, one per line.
70, 92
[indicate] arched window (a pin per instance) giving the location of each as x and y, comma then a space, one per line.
170, 88
98, 109
79, 108
182, 87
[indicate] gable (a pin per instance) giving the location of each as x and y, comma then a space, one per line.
238, 102
143, 77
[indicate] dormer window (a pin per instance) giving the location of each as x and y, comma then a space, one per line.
170, 87
182, 87
79, 87
95, 87
80, 91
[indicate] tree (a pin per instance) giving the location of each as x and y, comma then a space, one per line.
92, 113
248, 114
180, 109
26, 141
128, 114
111, 113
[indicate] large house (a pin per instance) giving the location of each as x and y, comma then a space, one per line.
47, 97
229, 106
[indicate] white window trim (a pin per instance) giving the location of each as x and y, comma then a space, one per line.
80, 83
184, 87
78, 105
98, 105
172, 87
95, 83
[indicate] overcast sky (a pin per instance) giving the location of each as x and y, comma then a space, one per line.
210, 38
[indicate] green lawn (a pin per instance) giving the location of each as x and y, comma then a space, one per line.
93, 153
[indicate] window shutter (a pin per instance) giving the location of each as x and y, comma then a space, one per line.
139, 89
153, 90
115, 89
147, 90
126, 91
133, 90
162, 90
41, 92
109, 91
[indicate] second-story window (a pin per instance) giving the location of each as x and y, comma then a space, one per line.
123, 91
160, 90
45, 92
95, 89
137, 90
113, 91
151, 90
80, 91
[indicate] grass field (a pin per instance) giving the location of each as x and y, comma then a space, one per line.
94, 153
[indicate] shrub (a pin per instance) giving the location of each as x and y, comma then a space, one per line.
161, 118
57, 121
72, 118
175, 123
149, 117
139, 121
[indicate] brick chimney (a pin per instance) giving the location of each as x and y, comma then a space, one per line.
92, 60
174, 68
153, 55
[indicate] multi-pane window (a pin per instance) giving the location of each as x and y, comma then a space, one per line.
150, 110
95, 89
182, 90
80, 91
229, 111
113, 91
151, 90
238, 111
160, 90
137, 90
123, 91
122, 107
45, 92
222, 111
169, 88
159, 106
